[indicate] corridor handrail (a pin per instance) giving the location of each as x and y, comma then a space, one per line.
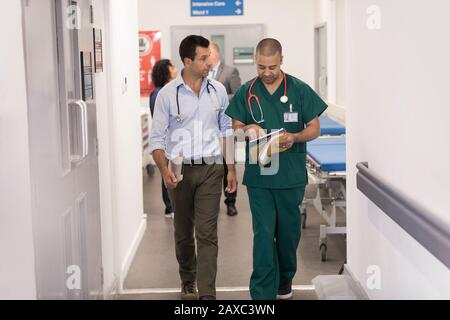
421, 224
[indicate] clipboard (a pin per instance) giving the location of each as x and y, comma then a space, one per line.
264, 147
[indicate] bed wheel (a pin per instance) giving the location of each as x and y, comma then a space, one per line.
323, 252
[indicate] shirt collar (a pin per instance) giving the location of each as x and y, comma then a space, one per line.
180, 81
216, 68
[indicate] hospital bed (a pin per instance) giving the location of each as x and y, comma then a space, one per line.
326, 164
329, 127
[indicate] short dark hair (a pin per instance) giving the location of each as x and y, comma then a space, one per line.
161, 72
189, 46
269, 47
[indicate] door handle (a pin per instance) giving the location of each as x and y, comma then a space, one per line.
79, 131
85, 129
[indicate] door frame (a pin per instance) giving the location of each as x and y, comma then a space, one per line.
317, 55
330, 22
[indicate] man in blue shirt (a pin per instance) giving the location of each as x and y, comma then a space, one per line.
190, 121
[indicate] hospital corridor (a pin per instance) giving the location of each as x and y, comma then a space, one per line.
231, 150
153, 274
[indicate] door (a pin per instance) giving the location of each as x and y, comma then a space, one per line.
321, 61
63, 137
232, 39
236, 39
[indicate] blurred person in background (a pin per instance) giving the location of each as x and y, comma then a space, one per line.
163, 72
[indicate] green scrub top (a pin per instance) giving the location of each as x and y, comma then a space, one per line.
292, 163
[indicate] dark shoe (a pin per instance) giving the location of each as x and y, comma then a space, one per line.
168, 210
285, 291
231, 210
188, 290
207, 298
169, 215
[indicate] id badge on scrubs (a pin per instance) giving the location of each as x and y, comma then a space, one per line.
290, 117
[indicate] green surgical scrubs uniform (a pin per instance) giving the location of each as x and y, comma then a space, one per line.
275, 198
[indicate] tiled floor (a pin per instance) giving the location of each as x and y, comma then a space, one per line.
155, 265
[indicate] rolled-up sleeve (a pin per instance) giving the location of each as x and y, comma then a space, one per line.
160, 123
225, 122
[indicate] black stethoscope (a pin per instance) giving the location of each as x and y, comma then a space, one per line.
284, 99
208, 85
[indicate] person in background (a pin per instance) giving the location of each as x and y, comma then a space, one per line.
229, 77
163, 72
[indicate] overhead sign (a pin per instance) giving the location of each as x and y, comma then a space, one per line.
205, 8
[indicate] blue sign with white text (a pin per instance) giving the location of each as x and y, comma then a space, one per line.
204, 8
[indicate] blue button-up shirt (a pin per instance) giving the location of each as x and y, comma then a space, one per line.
204, 122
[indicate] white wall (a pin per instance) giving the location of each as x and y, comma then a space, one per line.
105, 137
397, 120
341, 47
118, 121
126, 152
332, 13
321, 11
17, 276
291, 22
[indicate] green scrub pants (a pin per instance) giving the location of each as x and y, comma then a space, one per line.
276, 236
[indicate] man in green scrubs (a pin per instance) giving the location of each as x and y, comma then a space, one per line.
275, 198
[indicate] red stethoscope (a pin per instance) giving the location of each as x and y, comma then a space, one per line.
284, 99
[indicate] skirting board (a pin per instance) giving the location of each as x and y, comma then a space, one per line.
132, 252
362, 292
110, 294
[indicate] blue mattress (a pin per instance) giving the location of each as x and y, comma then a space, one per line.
329, 153
330, 127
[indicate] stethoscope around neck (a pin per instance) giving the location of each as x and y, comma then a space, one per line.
179, 118
284, 99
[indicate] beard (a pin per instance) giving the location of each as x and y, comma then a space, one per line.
270, 79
